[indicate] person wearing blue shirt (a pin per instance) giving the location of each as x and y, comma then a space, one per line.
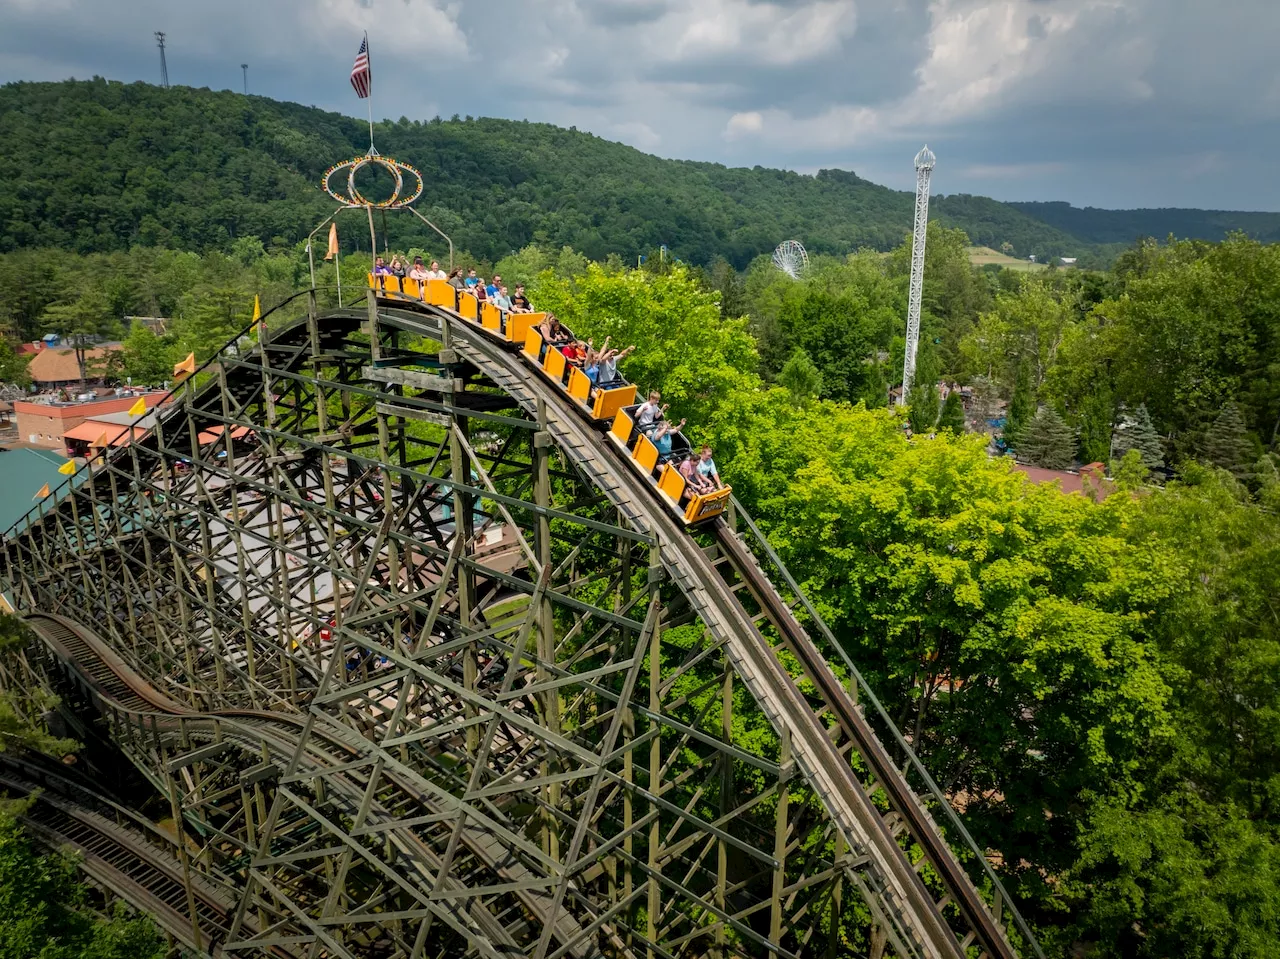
472, 280
707, 467
662, 439
493, 288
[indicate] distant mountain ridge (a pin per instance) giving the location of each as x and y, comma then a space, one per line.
101, 165
1093, 225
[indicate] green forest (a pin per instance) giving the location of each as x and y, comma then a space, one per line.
102, 166
1096, 678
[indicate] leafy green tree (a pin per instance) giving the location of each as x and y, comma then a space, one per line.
984, 397
1003, 620
1022, 408
1227, 444
952, 416
801, 377
923, 403
1130, 471
1095, 426
698, 361
1048, 441
1140, 434
1190, 865
45, 911
834, 330
875, 387
1022, 334
147, 358
82, 323
13, 366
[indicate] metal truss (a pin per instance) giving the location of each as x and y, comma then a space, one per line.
424, 677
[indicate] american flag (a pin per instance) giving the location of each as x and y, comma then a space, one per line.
360, 76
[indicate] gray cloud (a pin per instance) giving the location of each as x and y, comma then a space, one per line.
1103, 102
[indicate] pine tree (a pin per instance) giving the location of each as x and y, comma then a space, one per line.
1021, 408
1048, 441
1095, 426
952, 417
1227, 444
1141, 435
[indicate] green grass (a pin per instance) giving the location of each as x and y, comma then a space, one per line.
984, 255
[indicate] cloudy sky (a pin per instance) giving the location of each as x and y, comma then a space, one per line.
1116, 103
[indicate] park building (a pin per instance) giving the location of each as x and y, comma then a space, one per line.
62, 425
55, 367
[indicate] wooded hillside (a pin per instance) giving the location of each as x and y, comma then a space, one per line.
100, 166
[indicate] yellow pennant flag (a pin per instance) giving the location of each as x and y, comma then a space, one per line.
186, 366
42, 492
67, 468
333, 242
257, 309
139, 408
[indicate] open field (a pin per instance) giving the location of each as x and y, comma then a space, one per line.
983, 255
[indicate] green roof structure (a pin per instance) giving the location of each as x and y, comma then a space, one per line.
22, 473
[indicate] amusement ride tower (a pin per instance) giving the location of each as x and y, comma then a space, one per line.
924, 168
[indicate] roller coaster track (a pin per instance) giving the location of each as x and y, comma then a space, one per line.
120, 851
548, 900
128, 699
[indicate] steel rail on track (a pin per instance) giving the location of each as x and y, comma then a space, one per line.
913, 760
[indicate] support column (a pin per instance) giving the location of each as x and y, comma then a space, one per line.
655, 760
546, 645
780, 837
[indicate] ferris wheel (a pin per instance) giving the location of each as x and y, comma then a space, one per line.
791, 258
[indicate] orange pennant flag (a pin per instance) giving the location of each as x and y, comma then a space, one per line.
186, 367
42, 492
333, 242
139, 408
102, 440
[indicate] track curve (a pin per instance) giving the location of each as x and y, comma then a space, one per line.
124, 696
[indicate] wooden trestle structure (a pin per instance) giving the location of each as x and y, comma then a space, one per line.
423, 671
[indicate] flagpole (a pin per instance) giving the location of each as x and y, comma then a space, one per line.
370, 96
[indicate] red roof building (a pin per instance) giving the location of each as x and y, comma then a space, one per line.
1090, 481
48, 424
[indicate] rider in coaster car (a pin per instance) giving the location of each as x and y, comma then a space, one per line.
662, 439
650, 413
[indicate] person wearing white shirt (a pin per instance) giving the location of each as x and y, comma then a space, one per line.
650, 413
435, 273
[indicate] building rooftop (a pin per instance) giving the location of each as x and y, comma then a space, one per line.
95, 408
1090, 481
58, 364
22, 473
124, 419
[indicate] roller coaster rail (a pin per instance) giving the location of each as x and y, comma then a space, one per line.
477, 780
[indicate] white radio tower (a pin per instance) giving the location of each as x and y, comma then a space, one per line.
924, 168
